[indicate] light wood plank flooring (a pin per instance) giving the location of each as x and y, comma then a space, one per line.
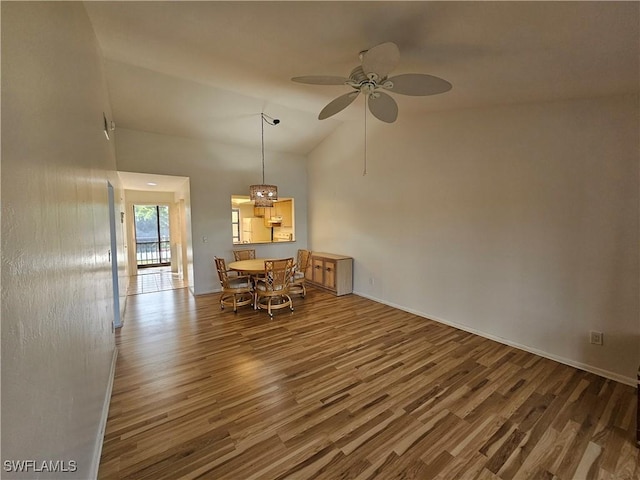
349, 388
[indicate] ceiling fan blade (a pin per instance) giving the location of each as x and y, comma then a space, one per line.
418, 84
381, 59
337, 105
321, 80
383, 107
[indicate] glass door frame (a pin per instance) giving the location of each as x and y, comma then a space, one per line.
156, 249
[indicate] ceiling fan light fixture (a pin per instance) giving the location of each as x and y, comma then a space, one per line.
263, 195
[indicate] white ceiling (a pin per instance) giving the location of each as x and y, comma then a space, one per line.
207, 69
148, 182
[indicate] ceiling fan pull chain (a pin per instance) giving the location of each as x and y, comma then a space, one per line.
364, 172
262, 127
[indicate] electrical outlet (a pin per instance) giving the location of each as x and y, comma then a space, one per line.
596, 338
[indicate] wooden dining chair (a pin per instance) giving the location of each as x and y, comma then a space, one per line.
297, 286
272, 290
245, 254
236, 290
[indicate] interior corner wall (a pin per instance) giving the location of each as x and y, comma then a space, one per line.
57, 294
519, 223
216, 171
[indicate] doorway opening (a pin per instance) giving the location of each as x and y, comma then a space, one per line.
162, 204
153, 238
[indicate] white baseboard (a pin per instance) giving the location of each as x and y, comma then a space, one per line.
566, 361
95, 464
208, 292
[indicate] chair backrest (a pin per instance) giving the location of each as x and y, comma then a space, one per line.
246, 254
223, 274
304, 260
277, 274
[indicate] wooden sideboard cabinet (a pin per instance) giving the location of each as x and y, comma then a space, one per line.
332, 272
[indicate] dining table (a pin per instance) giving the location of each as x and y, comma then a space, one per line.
252, 266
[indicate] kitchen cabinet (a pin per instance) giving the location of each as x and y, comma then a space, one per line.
265, 213
281, 208
268, 213
260, 211
331, 272
284, 209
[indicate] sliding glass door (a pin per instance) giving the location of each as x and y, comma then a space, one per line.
153, 248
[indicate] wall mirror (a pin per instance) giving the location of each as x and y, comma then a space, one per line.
251, 224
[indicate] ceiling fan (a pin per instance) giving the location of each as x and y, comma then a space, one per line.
371, 77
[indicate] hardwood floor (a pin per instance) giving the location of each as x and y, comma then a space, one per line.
344, 387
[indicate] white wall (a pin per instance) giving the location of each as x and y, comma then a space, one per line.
216, 172
57, 309
519, 222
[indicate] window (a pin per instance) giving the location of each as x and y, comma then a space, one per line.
235, 224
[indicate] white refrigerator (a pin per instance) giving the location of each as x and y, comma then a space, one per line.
253, 231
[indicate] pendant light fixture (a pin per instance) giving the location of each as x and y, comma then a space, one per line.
263, 195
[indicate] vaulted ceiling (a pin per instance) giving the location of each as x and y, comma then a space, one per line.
207, 69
